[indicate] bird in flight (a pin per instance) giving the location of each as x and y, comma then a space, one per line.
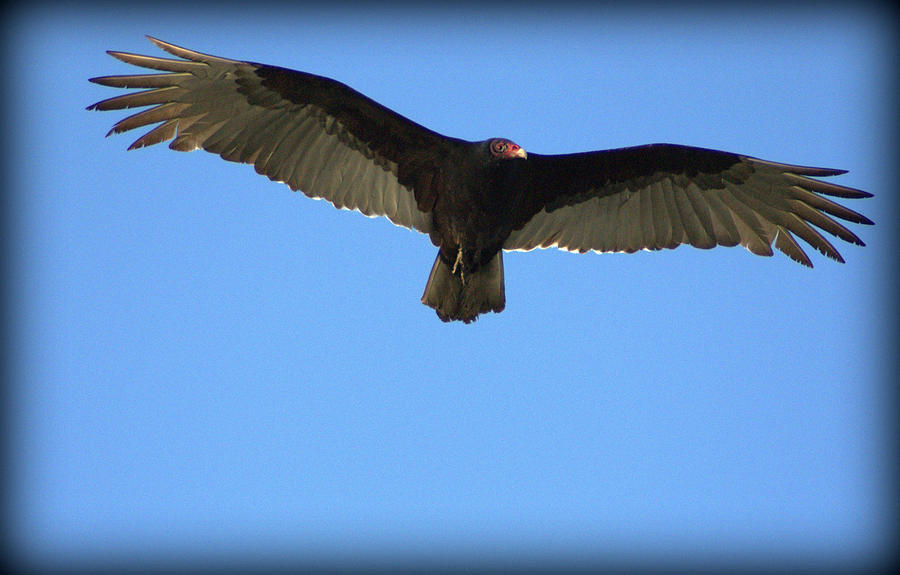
474, 199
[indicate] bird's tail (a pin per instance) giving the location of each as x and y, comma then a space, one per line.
457, 296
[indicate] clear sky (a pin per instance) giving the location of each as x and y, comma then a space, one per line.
208, 366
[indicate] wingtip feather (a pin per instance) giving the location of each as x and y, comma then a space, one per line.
190, 55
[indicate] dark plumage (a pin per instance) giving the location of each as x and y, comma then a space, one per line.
474, 199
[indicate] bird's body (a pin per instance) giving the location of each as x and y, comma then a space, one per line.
476, 217
475, 199
472, 224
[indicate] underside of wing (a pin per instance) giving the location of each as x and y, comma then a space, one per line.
662, 196
314, 134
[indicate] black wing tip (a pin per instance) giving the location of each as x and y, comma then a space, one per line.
95, 80
807, 263
864, 220
815, 171
847, 193
837, 257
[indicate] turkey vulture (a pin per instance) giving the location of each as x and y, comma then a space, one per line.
474, 199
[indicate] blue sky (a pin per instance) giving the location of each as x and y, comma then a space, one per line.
208, 366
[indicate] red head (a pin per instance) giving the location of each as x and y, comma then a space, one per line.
502, 148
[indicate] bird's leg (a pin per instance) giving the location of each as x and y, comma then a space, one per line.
458, 261
458, 264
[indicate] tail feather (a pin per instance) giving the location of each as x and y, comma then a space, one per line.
458, 297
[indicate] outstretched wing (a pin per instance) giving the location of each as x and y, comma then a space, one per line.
312, 133
663, 195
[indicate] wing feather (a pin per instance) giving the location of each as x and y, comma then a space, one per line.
155, 115
663, 195
693, 228
645, 234
154, 63
312, 133
662, 225
142, 80
752, 231
700, 208
603, 214
785, 242
630, 221
673, 214
161, 133
723, 221
139, 99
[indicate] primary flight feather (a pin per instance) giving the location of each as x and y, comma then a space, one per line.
474, 199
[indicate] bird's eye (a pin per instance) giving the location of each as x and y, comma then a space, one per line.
499, 146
